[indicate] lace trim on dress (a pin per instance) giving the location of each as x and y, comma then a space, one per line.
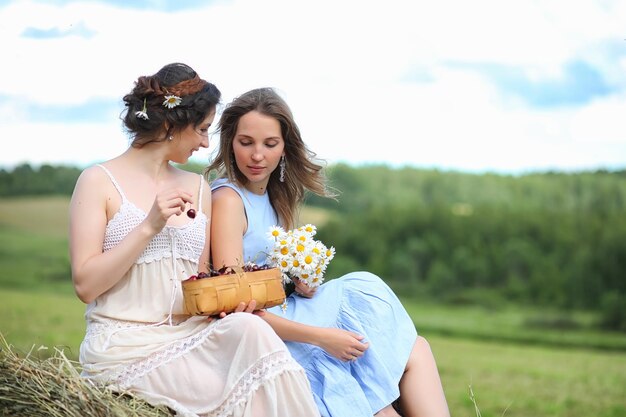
97, 328
124, 376
102, 326
265, 369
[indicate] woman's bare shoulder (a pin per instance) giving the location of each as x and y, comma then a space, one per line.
226, 197
92, 175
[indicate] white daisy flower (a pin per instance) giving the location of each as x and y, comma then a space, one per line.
297, 254
143, 113
310, 229
329, 253
276, 232
172, 101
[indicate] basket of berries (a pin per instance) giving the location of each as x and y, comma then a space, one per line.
208, 294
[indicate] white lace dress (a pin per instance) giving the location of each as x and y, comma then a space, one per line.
139, 340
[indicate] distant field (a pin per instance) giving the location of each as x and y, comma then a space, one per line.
33, 243
516, 361
528, 326
33, 319
513, 380
45, 216
313, 215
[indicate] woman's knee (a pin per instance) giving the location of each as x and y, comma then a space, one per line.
421, 351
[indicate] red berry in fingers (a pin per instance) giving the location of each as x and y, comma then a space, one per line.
191, 213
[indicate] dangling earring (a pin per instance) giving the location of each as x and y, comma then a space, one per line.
282, 168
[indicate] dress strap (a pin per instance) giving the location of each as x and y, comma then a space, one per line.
200, 194
117, 186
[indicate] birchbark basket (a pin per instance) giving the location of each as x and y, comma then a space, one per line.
213, 295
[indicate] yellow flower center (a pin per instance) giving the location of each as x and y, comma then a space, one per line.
296, 263
300, 248
308, 259
284, 250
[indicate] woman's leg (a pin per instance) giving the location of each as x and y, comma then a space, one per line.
421, 392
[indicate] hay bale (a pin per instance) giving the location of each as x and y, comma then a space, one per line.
30, 386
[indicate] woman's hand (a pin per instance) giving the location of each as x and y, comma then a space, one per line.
166, 204
343, 344
303, 289
245, 308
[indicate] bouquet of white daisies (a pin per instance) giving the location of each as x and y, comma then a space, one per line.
297, 254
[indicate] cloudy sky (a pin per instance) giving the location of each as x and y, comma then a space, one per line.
487, 85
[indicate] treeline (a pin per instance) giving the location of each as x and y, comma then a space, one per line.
28, 180
556, 239
25, 180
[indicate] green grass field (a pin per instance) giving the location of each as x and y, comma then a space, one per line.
516, 363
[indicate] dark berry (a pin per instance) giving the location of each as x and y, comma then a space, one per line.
191, 213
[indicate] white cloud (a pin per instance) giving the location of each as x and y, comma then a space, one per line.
343, 67
63, 144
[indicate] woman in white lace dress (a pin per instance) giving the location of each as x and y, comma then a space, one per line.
131, 245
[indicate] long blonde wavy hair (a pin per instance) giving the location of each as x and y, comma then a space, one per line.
303, 172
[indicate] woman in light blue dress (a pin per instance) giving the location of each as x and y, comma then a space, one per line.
352, 335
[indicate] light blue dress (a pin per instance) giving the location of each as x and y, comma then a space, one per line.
360, 302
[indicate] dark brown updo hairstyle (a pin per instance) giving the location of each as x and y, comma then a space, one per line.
198, 99
302, 172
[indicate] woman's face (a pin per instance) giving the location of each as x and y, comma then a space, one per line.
191, 139
258, 145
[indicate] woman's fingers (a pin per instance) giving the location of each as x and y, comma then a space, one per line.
166, 204
251, 306
303, 289
178, 200
243, 307
246, 308
358, 348
343, 344
361, 348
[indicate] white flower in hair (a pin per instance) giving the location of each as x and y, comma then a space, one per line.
143, 113
172, 101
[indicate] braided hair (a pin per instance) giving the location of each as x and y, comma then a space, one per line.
146, 116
